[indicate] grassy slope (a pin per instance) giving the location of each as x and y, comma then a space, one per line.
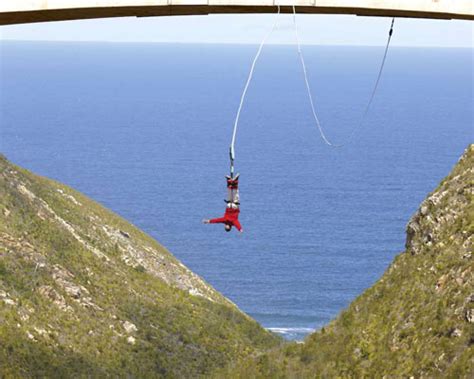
74, 277
417, 320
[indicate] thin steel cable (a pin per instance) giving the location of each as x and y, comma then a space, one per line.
310, 96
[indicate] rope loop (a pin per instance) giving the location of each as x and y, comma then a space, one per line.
310, 96
308, 88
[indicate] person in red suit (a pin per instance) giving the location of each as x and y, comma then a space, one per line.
231, 215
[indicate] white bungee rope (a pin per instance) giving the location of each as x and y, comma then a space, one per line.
244, 93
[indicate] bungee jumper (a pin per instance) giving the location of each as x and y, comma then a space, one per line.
231, 216
232, 211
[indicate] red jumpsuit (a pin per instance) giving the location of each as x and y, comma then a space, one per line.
231, 217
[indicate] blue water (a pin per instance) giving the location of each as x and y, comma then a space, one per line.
144, 129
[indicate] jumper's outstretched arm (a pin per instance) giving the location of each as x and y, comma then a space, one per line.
219, 220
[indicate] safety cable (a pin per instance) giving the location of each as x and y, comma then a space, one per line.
310, 96
244, 93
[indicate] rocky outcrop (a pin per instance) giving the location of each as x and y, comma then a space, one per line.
443, 208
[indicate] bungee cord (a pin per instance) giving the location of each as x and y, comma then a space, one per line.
310, 96
244, 93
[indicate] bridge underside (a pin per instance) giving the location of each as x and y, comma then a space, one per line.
8, 18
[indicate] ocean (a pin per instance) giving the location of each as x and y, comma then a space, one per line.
145, 129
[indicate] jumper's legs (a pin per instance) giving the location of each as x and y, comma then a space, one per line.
233, 198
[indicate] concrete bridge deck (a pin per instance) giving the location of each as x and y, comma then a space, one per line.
26, 11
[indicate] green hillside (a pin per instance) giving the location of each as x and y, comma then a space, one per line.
84, 293
417, 321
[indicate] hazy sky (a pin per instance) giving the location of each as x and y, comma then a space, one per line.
314, 29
